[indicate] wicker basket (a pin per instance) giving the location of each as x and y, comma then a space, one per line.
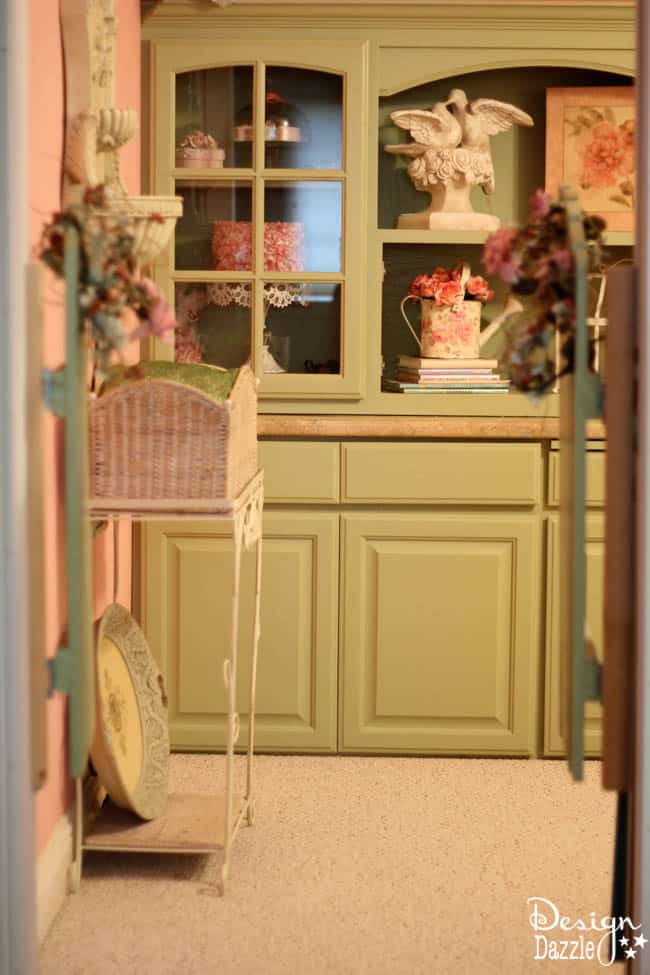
158, 445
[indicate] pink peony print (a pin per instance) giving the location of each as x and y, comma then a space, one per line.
608, 157
627, 131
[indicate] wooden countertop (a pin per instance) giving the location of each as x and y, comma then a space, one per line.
417, 427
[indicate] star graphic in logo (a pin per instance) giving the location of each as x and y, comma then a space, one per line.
640, 940
624, 941
630, 953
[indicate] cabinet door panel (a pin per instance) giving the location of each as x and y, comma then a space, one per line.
440, 633
554, 742
186, 616
270, 250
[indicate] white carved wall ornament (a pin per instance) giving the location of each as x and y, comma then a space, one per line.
96, 130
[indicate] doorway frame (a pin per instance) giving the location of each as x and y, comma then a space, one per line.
17, 851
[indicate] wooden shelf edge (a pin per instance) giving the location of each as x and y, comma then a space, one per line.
191, 824
344, 426
146, 509
432, 236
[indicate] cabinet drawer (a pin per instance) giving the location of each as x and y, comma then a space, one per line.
295, 472
442, 473
595, 479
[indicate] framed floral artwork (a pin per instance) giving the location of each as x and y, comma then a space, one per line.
590, 146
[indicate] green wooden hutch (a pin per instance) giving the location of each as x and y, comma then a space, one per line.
410, 587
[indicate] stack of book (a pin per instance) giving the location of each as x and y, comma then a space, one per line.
416, 375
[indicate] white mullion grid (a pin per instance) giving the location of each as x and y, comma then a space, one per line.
259, 149
188, 174
207, 277
304, 175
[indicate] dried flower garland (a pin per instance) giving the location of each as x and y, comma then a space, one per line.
537, 262
110, 287
448, 288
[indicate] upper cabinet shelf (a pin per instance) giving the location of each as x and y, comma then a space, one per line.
518, 154
432, 236
469, 237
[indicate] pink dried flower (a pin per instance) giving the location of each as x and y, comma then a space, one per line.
539, 205
559, 259
448, 293
159, 318
416, 285
478, 288
429, 288
498, 256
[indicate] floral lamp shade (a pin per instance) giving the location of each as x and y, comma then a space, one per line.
590, 147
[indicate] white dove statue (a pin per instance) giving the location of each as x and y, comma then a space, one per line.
482, 118
451, 154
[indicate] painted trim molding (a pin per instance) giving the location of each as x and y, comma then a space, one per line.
53, 875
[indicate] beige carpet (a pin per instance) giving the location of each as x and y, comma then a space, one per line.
384, 866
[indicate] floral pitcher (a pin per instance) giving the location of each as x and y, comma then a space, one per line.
450, 314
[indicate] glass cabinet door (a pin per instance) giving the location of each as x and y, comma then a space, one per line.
267, 258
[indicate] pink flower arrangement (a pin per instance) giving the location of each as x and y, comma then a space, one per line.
198, 140
447, 288
198, 149
537, 263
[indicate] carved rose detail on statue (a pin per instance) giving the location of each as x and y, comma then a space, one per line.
450, 155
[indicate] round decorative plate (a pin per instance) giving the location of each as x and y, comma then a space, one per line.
130, 750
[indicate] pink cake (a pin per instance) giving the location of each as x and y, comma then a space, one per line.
232, 243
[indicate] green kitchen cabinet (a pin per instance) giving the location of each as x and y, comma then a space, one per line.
440, 632
554, 742
186, 569
434, 623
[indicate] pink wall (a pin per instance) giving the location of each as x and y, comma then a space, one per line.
47, 120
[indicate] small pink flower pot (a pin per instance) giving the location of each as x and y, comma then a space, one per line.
214, 158
447, 331
190, 158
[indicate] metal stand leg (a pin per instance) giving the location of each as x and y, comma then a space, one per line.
74, 875
230, 675
250, 805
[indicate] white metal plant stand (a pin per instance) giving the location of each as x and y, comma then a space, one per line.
195, 824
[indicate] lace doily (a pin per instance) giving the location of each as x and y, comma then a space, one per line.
276, 295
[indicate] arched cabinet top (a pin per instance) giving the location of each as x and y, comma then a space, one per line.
398, 73
329, 58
